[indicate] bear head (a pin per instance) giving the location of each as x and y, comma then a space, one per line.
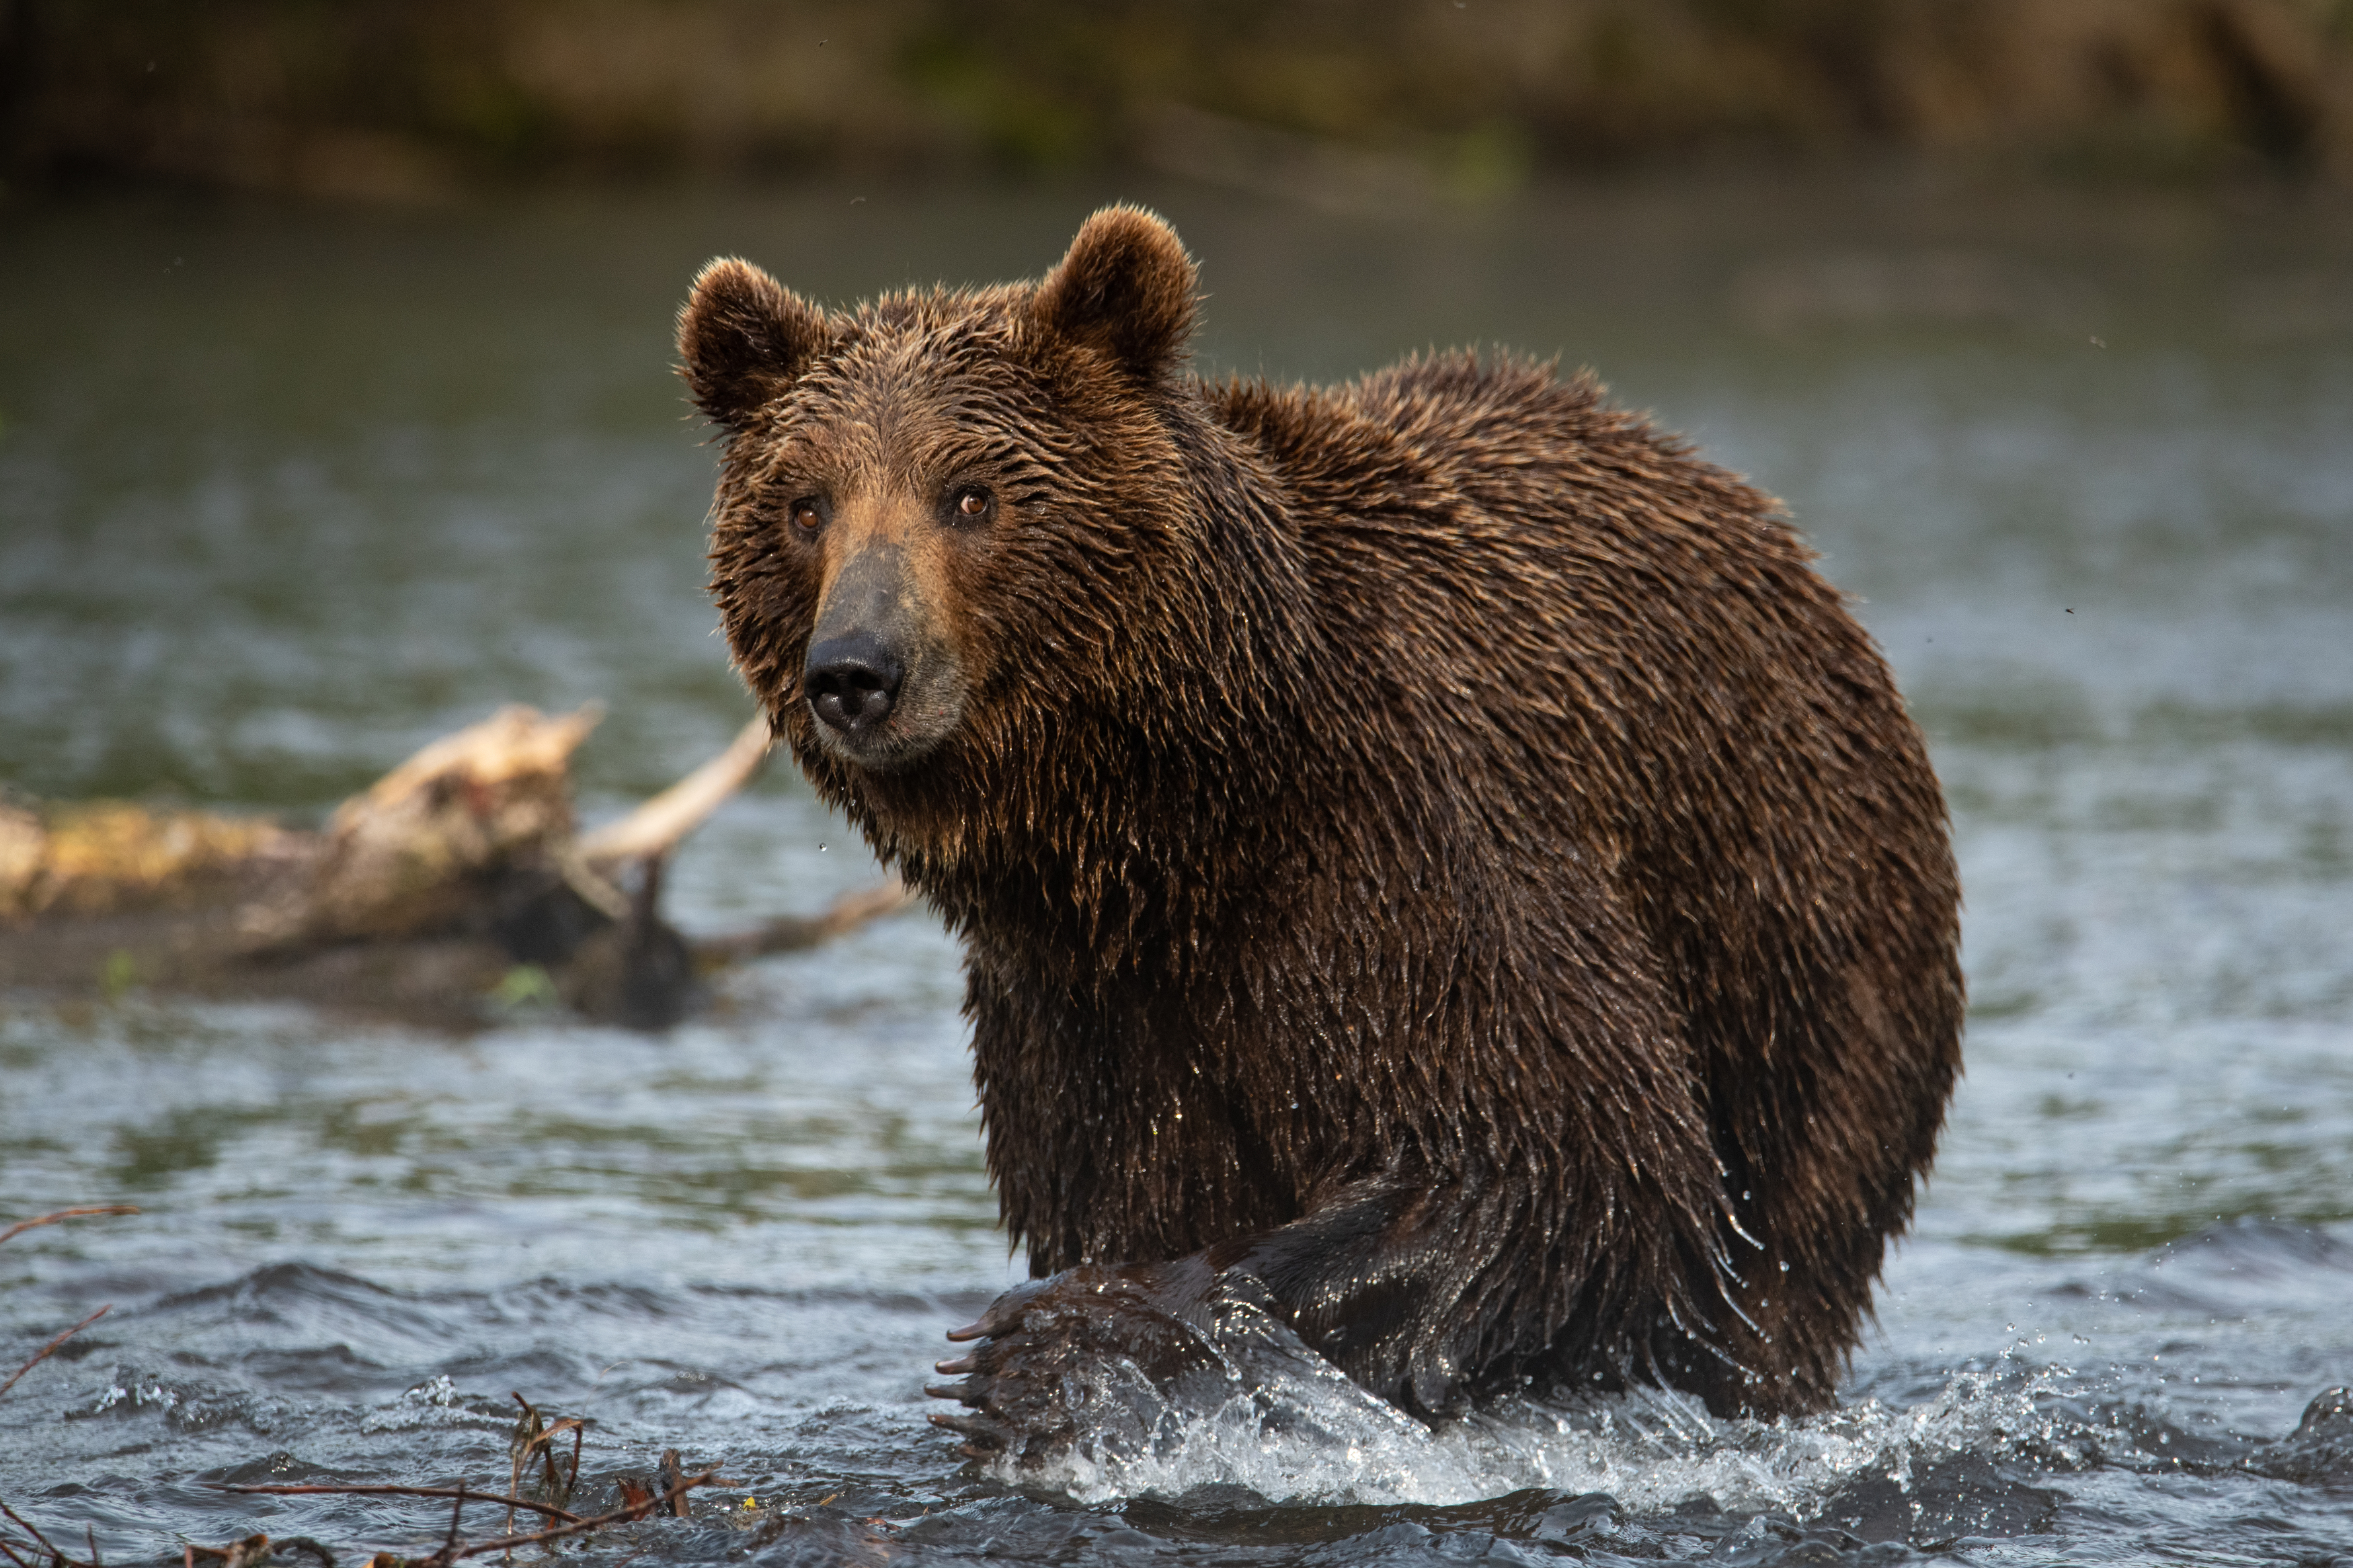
958, 533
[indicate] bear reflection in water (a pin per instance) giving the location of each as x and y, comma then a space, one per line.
1433, 860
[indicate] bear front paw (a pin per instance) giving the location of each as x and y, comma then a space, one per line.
1051, 1348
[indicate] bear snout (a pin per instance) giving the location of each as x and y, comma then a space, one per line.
852, 683
882, 678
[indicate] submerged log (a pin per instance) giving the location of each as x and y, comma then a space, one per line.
457, 881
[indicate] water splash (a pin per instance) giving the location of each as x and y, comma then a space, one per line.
433, 1403
1291, 1428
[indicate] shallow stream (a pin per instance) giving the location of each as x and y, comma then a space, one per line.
284, 494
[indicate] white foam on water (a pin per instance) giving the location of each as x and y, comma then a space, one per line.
1294, 1429
433, 1403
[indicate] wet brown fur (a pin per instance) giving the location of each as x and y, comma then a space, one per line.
1432, 843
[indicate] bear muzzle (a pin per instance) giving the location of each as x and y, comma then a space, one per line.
883, 686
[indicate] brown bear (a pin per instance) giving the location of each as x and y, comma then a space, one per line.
1432, 858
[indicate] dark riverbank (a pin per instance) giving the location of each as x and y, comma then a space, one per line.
1354, 105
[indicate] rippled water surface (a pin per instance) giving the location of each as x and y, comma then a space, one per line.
283, 494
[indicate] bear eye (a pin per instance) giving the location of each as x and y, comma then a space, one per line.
806, 515
972, 503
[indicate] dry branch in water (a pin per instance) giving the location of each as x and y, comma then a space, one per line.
43, 1549
641, 1504
673, 1472
535, 1440
535, 1437
253, 1551
457, 876
628, 1514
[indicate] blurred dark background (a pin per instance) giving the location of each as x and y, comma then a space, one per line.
419, 99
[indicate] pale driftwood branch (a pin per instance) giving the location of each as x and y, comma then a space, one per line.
788, 934
401, 858
457, 879
657, 826
594, 890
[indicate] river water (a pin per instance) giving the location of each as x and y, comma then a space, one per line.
284, 493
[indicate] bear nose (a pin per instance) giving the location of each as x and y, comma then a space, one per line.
852, 681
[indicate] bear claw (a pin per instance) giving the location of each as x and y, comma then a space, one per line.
983, 1436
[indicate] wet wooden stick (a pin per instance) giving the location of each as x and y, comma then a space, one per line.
370, 1488
546, 1443
43, 1354
528, 1429
672, 1470
250, 1552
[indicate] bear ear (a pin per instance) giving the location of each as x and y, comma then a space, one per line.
1125, 289
742, 338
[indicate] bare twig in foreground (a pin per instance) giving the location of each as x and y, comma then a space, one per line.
642, 1504
624, 1515
25, 1225
55, 1558
29, 1528
43, 1354
358, 1488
